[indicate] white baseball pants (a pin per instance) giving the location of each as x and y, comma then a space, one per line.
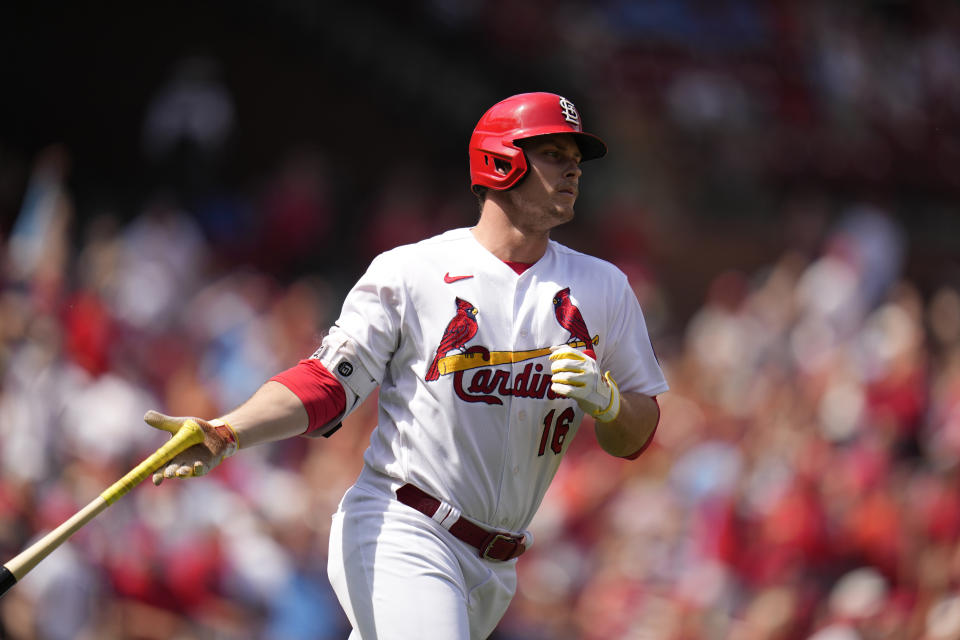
401, 576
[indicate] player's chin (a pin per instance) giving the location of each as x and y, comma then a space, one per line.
563, 213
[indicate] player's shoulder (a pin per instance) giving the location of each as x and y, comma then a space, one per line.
586, 263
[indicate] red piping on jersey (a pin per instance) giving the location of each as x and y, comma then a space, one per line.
634, 456
320, 392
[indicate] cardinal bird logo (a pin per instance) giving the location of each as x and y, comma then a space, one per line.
570, 318
459, 331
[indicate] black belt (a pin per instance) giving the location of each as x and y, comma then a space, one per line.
493, 545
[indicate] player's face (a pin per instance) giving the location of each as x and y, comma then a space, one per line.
546, 195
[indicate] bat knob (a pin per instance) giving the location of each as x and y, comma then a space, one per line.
7, 580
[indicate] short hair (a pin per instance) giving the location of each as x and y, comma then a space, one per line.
481, 193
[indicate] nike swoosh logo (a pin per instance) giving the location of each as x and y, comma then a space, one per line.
448, 278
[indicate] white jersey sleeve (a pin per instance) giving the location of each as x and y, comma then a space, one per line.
629, 355
361, 343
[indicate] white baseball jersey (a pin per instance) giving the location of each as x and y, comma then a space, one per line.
459, 345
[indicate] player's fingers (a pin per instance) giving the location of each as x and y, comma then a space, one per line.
184, 471
562, 389
158, 420
567, 359
568, 377
564, 369
565, 351
583, 370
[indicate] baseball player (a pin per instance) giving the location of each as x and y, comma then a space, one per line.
489, 345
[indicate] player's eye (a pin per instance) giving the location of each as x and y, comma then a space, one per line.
556, 154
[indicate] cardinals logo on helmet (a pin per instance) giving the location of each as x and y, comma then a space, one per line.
459, 331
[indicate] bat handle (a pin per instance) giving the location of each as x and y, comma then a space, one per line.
188, 435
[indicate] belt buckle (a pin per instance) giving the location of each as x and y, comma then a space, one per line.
492, 539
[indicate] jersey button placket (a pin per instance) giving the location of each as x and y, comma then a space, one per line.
508, 453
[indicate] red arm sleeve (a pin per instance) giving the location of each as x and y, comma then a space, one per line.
634, 456
319, 391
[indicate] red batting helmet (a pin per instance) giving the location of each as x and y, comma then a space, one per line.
523, 116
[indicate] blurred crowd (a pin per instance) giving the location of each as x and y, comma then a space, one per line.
803, 483
804, 480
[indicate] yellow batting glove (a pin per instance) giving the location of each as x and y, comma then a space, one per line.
220, 441
577, 376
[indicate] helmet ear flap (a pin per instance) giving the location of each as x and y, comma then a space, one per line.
500, 168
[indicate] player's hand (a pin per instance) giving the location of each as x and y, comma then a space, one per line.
218, 443
576, 375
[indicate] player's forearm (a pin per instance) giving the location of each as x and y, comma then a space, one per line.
633, 426
273, 412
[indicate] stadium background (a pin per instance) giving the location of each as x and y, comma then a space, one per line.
187, 191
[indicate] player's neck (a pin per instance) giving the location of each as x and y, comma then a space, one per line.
508, 242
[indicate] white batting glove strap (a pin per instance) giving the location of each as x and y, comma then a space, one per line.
613, 408
576, 375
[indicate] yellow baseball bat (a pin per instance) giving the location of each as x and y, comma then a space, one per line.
188, 435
